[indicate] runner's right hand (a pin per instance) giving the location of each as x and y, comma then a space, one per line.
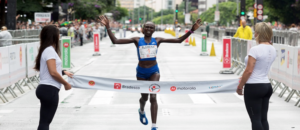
67, 86
104, 20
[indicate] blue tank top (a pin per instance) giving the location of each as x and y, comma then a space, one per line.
147, 51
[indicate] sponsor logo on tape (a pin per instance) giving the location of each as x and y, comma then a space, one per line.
154, 88
215, 87
92, 83
117, 86
173, 88
130, 87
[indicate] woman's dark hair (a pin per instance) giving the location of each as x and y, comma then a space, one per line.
49, 37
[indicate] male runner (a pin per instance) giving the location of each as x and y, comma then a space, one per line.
147, 68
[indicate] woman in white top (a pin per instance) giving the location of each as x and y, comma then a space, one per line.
258, 89
48, 63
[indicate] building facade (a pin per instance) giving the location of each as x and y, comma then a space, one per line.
157, 5
204, 5
129, 4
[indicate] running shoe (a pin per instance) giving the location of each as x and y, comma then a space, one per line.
154, 128
143, 116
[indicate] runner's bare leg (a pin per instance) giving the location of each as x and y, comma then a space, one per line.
144, 97
153, 101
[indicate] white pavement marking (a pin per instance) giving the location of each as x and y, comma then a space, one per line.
102, 97
6, 111
239, 96
201, 99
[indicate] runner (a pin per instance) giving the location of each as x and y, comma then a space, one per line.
147, 68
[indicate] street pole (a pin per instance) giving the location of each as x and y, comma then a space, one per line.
133, 16
152, 10
144, 12
217, 9
255, 17
139, 12
161, 16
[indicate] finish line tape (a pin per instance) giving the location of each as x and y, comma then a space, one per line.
163, 87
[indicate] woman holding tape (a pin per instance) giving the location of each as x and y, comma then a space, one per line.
48, 63
147, 68
258, 88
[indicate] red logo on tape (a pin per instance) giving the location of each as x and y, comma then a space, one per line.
92, 83
117, 86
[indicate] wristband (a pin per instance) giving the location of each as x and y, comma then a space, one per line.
191, 31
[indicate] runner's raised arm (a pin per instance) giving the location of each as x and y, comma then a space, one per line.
104, 20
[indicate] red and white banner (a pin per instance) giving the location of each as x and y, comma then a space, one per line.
227, 53
187, 39
160, 87
96, 42
42, 17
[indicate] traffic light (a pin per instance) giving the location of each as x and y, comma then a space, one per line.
140, 18
176, 16
243, 7
129, 20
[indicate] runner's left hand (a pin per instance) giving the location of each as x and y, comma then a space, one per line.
69, 74
196, 25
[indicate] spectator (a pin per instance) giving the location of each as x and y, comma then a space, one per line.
63, 30
293, 28
81, 31
207, 30
5, 37
98, 30
71, 32
244, 32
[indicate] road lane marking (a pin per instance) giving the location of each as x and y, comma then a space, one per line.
102, 97
201, 99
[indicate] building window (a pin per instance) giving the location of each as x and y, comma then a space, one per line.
202, 2
170, 3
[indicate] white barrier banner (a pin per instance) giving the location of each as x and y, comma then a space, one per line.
273, 74
37, 45
162, 87
296, 71
250, 44
30, 58
17, 69
282, 63
289, 53
4, 67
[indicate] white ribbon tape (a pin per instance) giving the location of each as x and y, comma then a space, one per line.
163, 87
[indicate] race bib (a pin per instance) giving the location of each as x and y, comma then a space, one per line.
148, 51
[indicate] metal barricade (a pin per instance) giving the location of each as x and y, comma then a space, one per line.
239, 52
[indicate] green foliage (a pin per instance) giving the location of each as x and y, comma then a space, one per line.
227, 13
168, 19
133, 14
190, 8
86, 9
165, 12
286, 11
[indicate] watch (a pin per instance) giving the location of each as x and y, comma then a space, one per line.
191, 31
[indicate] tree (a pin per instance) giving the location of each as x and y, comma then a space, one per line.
119, 12
135, 12
89, 9
181, 7
285, 11
227, 13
